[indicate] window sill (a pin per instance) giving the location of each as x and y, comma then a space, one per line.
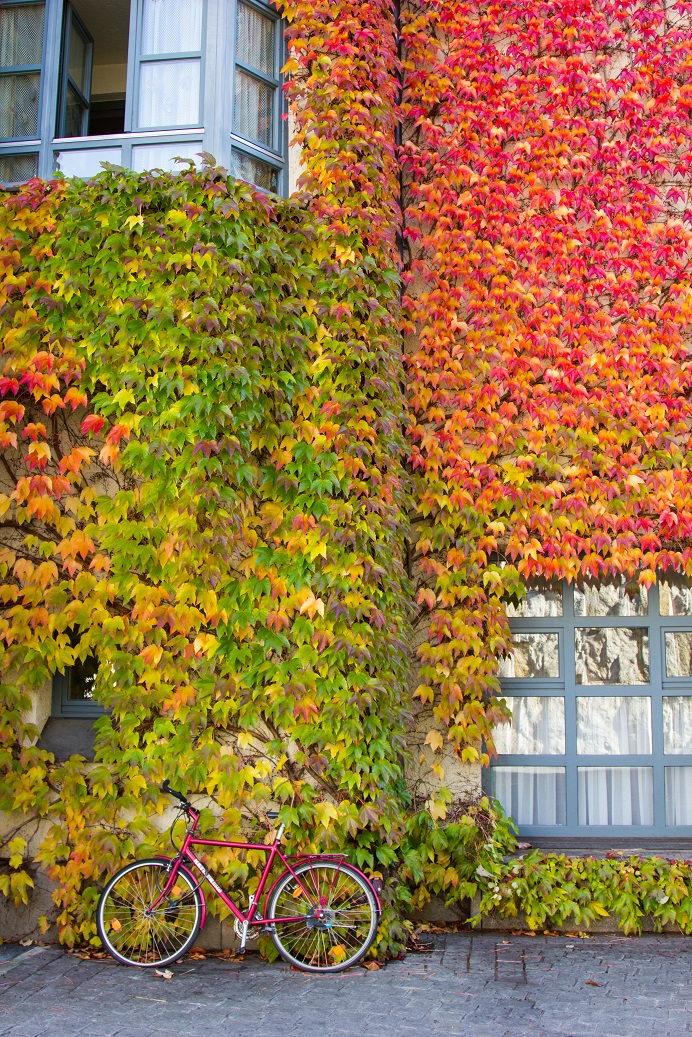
69, 736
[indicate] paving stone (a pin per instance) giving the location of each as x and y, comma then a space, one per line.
471, 985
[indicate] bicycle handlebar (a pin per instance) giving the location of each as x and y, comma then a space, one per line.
166, 787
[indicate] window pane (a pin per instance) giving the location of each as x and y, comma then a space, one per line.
81, 680
73, 114
253, 171
15, 169
614, 726
163, 156
537, 602
677, 724
531, 795
611, 655
679, 795
254, 109
169, 94
19, 105
675, 599
537, 727
534, 655
79, 51
679, 653
21, 35
255, 44
171, 27
615, 795
624, 599
85, 163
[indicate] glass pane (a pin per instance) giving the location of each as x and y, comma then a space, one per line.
538, 602
615, 795
534, 655
679, 653
675, 599
624, 599
169, 94
15, 169
537, 727
163, 156
171, 27
86, 162
21, 35
531, 795
255, 44
253, 171
677, 724
679, 795
81, 679
19, 105
79, 51
74, 112
615, 726
611, 655
254, 109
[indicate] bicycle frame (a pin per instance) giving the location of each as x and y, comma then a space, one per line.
273, 851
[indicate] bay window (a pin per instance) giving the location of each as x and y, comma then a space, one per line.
140, 83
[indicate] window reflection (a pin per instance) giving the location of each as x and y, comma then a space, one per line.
611, 655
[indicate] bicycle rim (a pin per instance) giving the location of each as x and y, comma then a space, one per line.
134, 934
345, 932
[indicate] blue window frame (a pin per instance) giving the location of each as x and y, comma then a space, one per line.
140, 83
73, 691
600, 687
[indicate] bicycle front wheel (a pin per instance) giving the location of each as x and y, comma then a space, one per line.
332, 914
136, 934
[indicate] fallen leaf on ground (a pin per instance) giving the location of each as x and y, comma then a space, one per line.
163, 973
593, 983
372, 966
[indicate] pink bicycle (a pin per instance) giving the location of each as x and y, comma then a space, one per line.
322, 913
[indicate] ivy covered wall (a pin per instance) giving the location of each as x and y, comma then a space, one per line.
267, 490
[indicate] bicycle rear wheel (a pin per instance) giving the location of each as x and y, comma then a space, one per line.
131, 931
333, 914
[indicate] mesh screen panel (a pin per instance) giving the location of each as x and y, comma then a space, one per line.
78, 59
255, 42
21, 34
253, 171
19, 104
73, 114
15, 169
254, 109
172, 27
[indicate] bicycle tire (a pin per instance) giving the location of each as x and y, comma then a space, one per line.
349, 926
134, 937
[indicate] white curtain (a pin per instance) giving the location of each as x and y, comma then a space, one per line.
615, 795
531, 795
616, 726
679, 796
677, 724
537, 726
172, 26
169, 93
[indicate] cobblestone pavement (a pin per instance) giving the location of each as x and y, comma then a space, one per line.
483, 985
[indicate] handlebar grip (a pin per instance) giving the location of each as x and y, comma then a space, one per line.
166, 787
